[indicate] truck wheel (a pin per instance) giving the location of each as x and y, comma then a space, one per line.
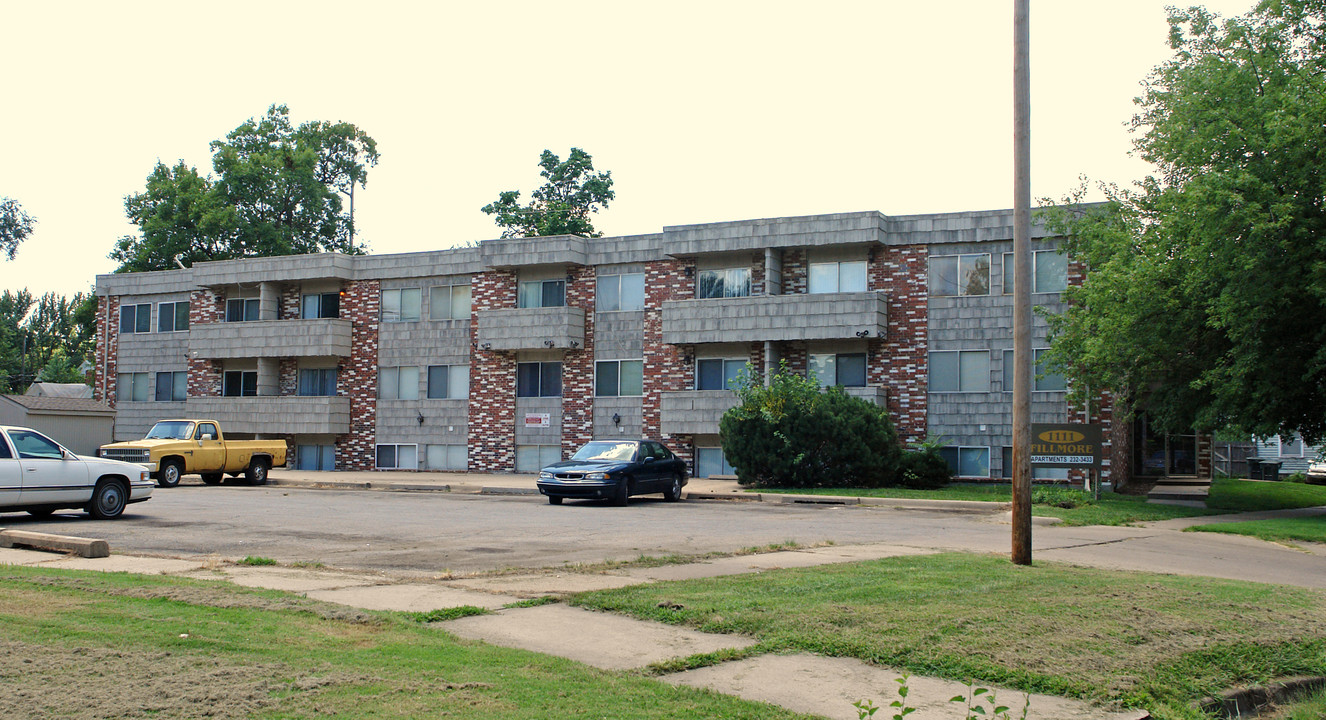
212, 478
170, 473
256, 474
108, 500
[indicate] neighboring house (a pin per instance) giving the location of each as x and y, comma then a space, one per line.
82, 425
64, 390
1294, 454
509, 355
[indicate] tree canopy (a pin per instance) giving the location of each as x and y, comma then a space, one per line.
276, 191
15, 226
563, 204
1204, 303
49, 336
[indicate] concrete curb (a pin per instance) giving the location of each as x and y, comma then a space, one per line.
83, 547
508, 491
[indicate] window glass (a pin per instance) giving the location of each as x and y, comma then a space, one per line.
542, 293
207, 431
171, 386
539, 379
967, 461
386, 456
527, 380
142, 391
321, 305
619, 378
531, 458
317, 381
730, 282
554, 293
852, 276
838, 277
943, 372
632, 378
172, 316
391, 309
4, 448
709, 461
960, 371
409, 383
550, 379
1053, 382
35, 446
401, 305
718, 373
242, 309
315, 457
960, 275
852, 370
128, 313
410, 304
458, 384
824, 369
608, 293
944, 276
633, 291
824, 277
605, 379
446, 457
1051, 271
437, 381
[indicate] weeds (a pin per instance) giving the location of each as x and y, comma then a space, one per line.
256, 560
533, 602
445, 614
1058, 496
974, 703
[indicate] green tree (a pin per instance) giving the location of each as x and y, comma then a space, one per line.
34, 331
15, 226
1204, 303
277, 191
563, 204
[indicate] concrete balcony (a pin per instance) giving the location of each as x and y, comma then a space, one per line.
323, 337
274, 414
827, 316
873, 393
694, 412
531, 328
546, 250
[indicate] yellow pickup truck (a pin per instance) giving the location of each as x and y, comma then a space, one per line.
174, 448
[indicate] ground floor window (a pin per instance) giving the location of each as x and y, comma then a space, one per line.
446, 457
1036, 473
315, 457
710, 461
967, 461
397, 457
530, 458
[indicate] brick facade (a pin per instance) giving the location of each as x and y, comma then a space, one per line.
578, 366
107, 352
492, 407
666, 367
900, 362
361, 303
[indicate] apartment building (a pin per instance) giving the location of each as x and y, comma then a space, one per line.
509, 355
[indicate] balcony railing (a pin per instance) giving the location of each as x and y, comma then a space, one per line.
531, 328
321, 337
826, 316
275, 414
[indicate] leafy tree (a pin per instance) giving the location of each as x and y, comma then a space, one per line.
562, 205
35, 331
792, 434
1205, 297
61, 369
277, 191
15, 226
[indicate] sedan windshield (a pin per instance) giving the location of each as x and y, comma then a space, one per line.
170, 430
609, 451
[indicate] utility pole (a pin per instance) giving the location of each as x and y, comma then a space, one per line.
1021, 284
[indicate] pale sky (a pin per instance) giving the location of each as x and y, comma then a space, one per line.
703, 111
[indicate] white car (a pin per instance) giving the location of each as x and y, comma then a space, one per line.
40, 476
1317, 471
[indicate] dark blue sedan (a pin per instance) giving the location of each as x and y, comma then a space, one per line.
615, 470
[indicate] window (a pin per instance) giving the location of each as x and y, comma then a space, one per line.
1037, 473
1049, 272
400, 305
960, 371
172, 317
315, 457
172, 386
620, 292
1043, 383
398, 457
967, 461
1291, 447
718, 374
832, 277
531, 458
848, 370
206, 431
614, 378
242, 309
317, 382
960, 275
709, 461
398, 383
239, 383
321, 305
542, 293
449, 381
135, 318
134, 387
732, 282
446, 457
539, 379
33, 445
449, 302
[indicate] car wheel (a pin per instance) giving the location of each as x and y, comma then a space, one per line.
40, 512
623, 492
212, 478
257, 472
554, 500
171, 471
673, 492
108, 500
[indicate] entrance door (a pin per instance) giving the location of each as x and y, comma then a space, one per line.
1156, 454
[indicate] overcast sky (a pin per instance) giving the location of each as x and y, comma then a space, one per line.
703, 111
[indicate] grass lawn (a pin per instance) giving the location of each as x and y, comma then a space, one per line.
1250, 495
1154, 641
93, 645
1275, 530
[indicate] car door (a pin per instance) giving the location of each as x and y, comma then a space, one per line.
655, 470
11, 475
211, 453
50, 475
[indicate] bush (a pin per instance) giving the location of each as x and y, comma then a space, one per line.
923, 469
1297, 477
1059, 496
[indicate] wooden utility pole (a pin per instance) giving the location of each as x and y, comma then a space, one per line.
1022, 361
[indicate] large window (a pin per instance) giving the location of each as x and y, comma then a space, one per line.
135, 318
239, 383
172, 386
960, 371
1049, 272
960, 275
730, 282
832, 277
448, 381
967, 461
620, 292
613, 378
400, 305
542, 293
172, 316
317, 382
242, 309
134, 387
539, 379
398, 457
398, 383
449, 302
709, 461
1043, 382
847, 369
718, 373
446, 457
315, 457
530, 458
320, 305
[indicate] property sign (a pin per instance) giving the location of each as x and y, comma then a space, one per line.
538, 419
1066, 446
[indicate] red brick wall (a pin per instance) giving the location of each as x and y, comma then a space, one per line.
665, 369
492, 407
288, 306
900, 363
796, 272
107, 351
578, 366
288, 376
205, 307
359, 376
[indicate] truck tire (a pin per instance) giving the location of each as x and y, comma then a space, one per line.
170, 473
256, 473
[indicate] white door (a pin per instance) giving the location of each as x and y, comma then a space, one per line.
50, 475
11, 475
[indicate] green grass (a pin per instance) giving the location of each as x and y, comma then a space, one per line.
255, 560
1249, 496
1274, 530
1312, 707
1154, 641
150, 646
